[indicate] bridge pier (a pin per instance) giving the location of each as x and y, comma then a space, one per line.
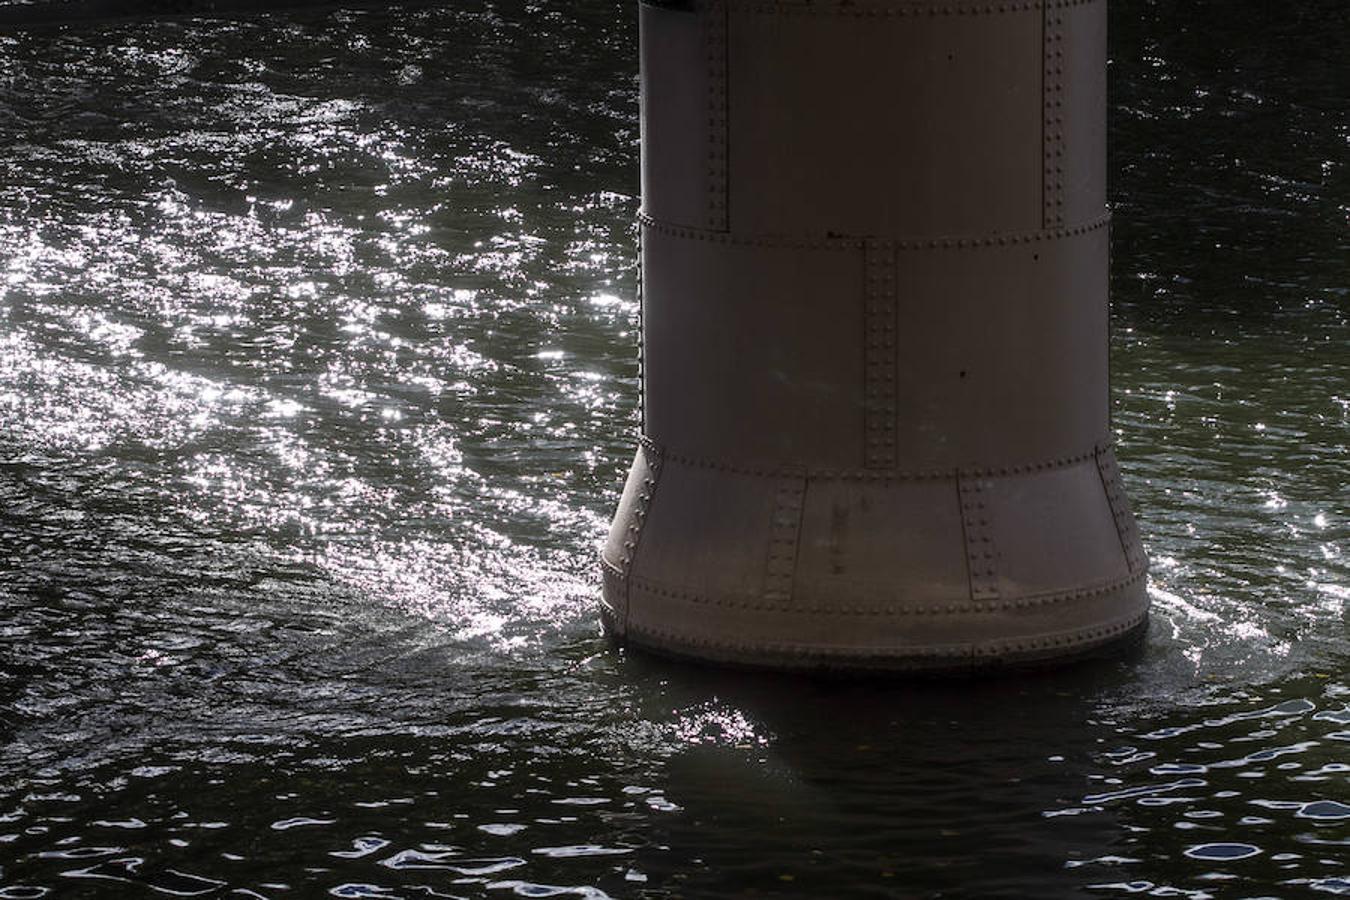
874, 247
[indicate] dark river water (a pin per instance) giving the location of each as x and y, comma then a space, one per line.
317, 385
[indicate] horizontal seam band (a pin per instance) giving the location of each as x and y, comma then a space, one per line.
883, 9
1030, 601
835, 474
857, 243
965, 650
875, 9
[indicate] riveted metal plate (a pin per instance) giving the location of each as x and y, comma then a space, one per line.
1081, 172
747, 357
975, 315
1130, 542
840, 126
614, 597
976, 524
879, 325
784, 532
977, 381
881, 545
1053, 530
651, 455
634, 506
673, 102
625, 533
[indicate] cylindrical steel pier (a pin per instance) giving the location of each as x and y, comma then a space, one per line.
874, 343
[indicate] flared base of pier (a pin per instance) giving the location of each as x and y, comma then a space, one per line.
938, 571
898, 659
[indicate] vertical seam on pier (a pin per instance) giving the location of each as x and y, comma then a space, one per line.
641, 339
784, 533
652, 459
715, 45
1108, 352
879, 358
1052, 123
981, 553
1126, 529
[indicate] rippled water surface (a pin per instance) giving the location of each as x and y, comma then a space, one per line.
317, 383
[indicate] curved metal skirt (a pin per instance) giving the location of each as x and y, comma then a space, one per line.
900, 659
829, 569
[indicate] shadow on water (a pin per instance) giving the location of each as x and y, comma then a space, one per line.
886, 785
1046, 784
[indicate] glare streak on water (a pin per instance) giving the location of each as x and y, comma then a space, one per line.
317, 386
